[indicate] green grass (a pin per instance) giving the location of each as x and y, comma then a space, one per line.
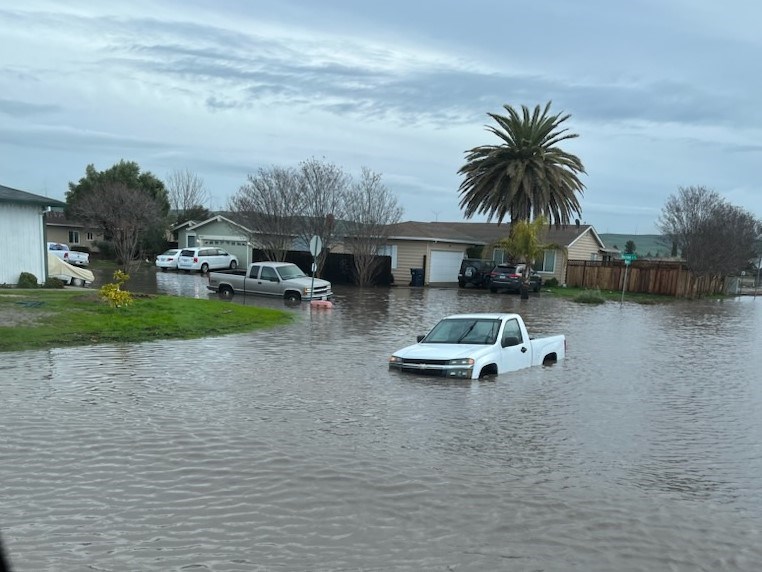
597, 296
35, 319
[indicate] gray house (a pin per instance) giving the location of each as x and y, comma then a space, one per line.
22, 233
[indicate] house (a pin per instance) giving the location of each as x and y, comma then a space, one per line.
439, 247
73, 233
22, 233
217, 231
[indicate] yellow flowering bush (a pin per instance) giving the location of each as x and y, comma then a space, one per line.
113, 293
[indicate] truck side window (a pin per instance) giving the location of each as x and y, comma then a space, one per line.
268, 274
512, 330
254, 272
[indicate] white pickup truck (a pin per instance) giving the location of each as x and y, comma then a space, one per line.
282, 279
471, 346
69, 256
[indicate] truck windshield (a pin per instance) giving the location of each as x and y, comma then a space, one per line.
290, 271
463, 331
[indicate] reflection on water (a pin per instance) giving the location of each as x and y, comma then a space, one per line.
297, 449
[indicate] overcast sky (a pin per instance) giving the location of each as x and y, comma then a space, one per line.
662, 93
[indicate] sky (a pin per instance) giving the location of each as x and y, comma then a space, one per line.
662, 94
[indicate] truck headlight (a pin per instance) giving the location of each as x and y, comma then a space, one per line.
394, 360
462, 361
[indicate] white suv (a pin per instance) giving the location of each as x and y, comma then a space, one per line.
205, 259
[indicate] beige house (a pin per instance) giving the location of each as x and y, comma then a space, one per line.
217, 231
73, 233
439, 247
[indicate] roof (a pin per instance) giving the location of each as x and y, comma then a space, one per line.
9, 195
482, 232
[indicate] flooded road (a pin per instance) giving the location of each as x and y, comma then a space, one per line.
297, 449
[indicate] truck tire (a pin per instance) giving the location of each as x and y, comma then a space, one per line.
225, 291
204, 268
461, 283
292, 297
233, 265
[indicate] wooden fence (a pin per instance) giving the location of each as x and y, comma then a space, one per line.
668, 278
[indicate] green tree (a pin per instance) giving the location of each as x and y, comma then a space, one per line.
524, 245
130, 208
629, 247
525, 176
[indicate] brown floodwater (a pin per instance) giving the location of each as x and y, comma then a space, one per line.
297, 449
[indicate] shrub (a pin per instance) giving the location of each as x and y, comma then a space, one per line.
590, 297
53, 282
27, 280
113, 293
551, 282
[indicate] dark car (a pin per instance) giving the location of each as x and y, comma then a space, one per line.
509, 277
475, 271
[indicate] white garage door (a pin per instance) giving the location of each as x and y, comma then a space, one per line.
445, 265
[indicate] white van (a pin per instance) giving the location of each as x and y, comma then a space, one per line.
205, 259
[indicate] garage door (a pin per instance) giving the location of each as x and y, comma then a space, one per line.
445, 265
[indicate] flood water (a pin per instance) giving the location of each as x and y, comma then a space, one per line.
296, 449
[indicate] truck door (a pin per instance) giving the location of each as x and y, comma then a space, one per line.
515, 352
269, 283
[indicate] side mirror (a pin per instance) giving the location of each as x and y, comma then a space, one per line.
510, 341
419, 337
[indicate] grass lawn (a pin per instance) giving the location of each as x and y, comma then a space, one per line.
42, 318
587, 295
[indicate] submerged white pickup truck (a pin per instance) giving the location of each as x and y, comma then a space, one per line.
68, 255
281, 279
472, 346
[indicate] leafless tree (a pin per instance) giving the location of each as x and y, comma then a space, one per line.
266, 207
323, 189
124, 214
186, 193
370, 208
714, 237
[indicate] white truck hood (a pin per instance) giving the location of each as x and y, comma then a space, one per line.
442, 351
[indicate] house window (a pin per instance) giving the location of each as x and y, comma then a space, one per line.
498, 255
389, 250
547, 263
90, 237
73, 237
593, 256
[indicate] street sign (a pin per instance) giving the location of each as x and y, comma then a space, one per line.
628, 257
316, 245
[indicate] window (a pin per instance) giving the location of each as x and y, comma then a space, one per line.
547, 263
498, 255
269, 274
73, 237
389, 250
254, 271
512, 329
90, 237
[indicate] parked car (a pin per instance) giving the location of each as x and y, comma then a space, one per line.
476, 272
168, 260
68, 255
509, 277
282, 279
472, 346
205, 259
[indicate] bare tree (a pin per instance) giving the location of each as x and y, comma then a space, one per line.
714, 237
266, 207
186, 193
323, 190
124, 214
370, 209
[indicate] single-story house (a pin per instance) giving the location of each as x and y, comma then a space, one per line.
439, 247
73, 233
22, 234
217, 231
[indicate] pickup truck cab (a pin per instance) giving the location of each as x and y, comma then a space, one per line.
69, 256
471, 346
281, 279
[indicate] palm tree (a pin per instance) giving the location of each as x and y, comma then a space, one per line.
525, 176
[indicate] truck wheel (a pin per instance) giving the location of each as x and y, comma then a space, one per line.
233, 265
493, 289
461, 283
292, 297
204, 268
225, 291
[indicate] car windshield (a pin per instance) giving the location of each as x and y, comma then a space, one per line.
170, 252
290, 271
463, 331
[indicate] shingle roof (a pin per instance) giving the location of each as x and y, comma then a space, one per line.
9, 195
481, 232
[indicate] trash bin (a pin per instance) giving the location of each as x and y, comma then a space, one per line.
416, 276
